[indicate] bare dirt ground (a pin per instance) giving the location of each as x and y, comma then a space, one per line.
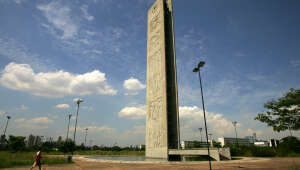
245, 164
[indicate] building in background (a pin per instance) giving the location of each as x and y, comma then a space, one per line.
141, 147
34, 140
186, 144
230, 141
193, 144
251, 139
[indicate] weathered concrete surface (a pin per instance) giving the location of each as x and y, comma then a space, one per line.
162, 122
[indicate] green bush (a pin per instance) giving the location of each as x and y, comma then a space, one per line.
249, 151
289, 146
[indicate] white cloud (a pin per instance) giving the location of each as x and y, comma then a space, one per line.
191, 118
88, 108
54, 84
37, 120
15, 51
86, 15
22, 108
93, 129
133, 84
131, 93
60, 17
295, 63
62, 106
96, 128
34, 123
19, 1
133, 112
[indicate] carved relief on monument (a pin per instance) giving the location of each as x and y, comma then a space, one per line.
156, 137
155, 23
155, 109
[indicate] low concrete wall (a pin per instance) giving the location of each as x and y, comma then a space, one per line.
215, 153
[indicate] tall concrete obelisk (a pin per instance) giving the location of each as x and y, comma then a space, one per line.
162, 122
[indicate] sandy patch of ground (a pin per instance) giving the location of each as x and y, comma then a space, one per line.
246, 163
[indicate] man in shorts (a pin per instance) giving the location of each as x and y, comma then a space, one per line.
37, 161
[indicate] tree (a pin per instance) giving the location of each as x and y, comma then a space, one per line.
16, 143
283, 114
66, 146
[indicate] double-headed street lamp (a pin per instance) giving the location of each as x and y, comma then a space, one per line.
78, 101
86, 129
234, 124
69, 115
200, 129
211, 140
8, 117
197, 69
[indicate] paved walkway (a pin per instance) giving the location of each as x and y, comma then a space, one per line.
246, 164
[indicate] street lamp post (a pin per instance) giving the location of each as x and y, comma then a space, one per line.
86, 129
234, 124
197, 69
78, 101
8, 117
200, 129
211, 142
70, 115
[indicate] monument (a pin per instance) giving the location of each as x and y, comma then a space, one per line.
162, 122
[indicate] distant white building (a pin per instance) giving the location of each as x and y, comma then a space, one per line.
141, 147
191, 144
261, 143
230, 141
186, 144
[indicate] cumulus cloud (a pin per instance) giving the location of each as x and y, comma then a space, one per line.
22, 107
133, 84
54, 84
62, 106
191, 118
133, 112
86, 15
60, 17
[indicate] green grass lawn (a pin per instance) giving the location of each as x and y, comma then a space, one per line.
123, 153
10, 159
100, 152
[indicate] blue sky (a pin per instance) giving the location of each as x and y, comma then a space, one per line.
54, 51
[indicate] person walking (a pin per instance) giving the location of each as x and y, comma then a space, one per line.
37, 161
